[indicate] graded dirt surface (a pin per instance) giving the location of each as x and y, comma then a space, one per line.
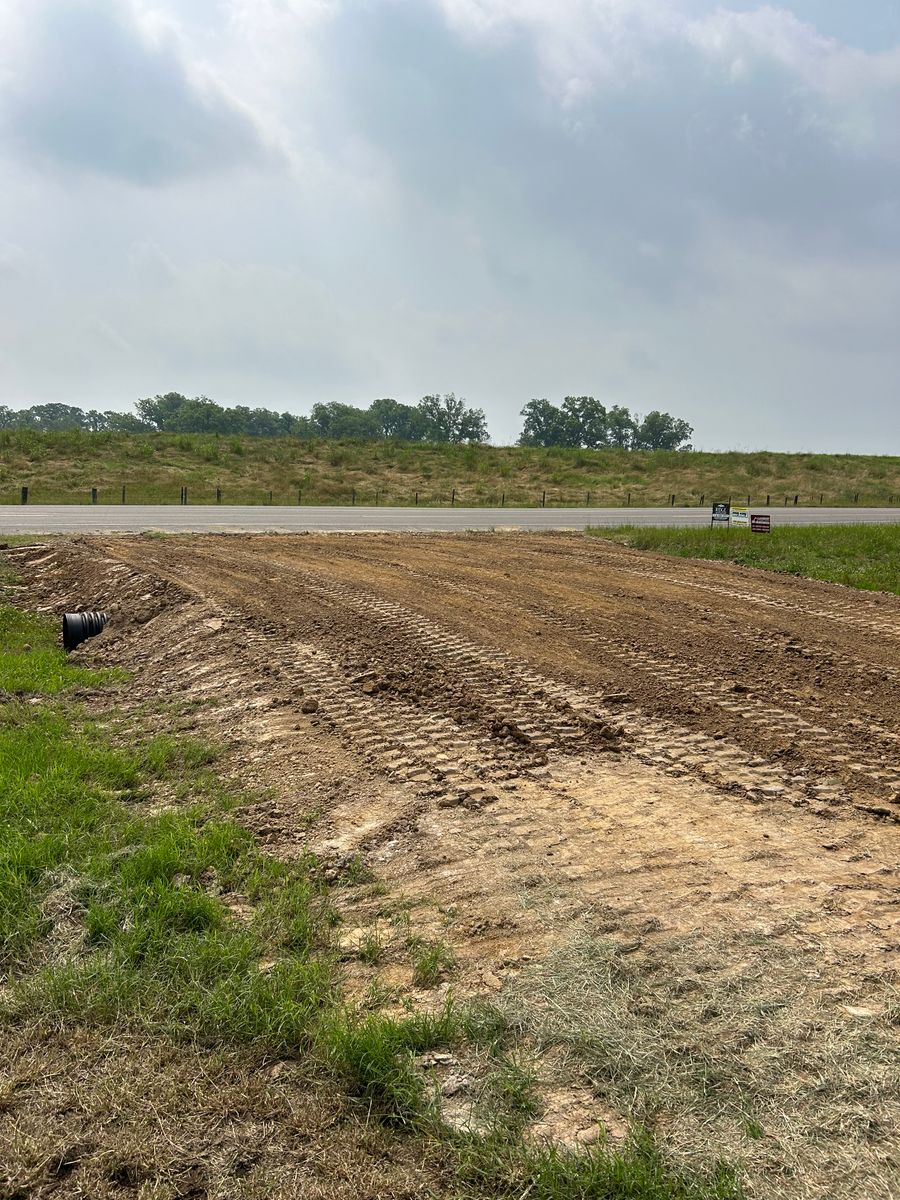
547, 750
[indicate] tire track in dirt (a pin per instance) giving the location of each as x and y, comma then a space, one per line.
502, 686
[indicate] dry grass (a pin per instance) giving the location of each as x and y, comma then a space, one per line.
153, 467
729, 1046
109, 1115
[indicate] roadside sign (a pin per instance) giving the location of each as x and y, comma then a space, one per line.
740, 517
760, 523
720, 513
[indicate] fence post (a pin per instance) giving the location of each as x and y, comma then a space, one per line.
417, 499
353, 496
796, 498
543, 499
628, 502
453, 498
589, 500
768, 499
24, 495
856, 498
376, 499
672, 501
185, 494
218, 495
123, 493
821, 495
270, 497
702, 498
299, 495
748, 501
503, 500
93, 495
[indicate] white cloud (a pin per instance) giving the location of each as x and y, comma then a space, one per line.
105, 86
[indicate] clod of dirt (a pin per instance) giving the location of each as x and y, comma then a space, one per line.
309, 705
617, 698
739, 687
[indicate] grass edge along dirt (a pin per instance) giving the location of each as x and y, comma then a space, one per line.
116, 914
860, 556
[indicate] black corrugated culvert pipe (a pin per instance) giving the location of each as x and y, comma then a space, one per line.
78, 627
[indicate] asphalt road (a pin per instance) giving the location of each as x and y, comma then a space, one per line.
114, 518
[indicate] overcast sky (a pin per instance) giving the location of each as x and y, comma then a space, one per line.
668, 204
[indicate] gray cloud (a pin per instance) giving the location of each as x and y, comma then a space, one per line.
668, 203
90, 90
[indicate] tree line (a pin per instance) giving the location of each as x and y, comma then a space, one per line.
581, 421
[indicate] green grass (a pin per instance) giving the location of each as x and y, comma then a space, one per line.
30, 659
861, 556
63, 467
431, 961
119, 913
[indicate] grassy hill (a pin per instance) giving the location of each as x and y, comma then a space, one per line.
63, 467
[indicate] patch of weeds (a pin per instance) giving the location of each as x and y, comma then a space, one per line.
509, 1098
371, 950
355, 873
499, 1166
431, 961
374, 1054
485, 1025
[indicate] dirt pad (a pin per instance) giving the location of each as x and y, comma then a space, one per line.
663, 789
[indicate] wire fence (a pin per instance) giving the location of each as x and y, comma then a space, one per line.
462, 497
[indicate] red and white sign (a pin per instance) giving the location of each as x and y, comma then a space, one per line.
760, 523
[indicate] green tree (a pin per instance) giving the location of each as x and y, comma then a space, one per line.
587, 422
450, 420
620, 424
662, 431
547, 425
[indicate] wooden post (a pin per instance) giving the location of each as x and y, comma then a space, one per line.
543, 499
453, 498
417, 499
353, 496
672, 501
299, 495
24, 495
702, 498
629, 500
503, 500
270, 497
796, 500
218, 495
768, 500
93, 495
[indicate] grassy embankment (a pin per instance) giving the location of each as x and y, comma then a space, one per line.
171, 1007
153, 468
862, 556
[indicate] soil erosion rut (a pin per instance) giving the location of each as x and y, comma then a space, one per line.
533, 732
